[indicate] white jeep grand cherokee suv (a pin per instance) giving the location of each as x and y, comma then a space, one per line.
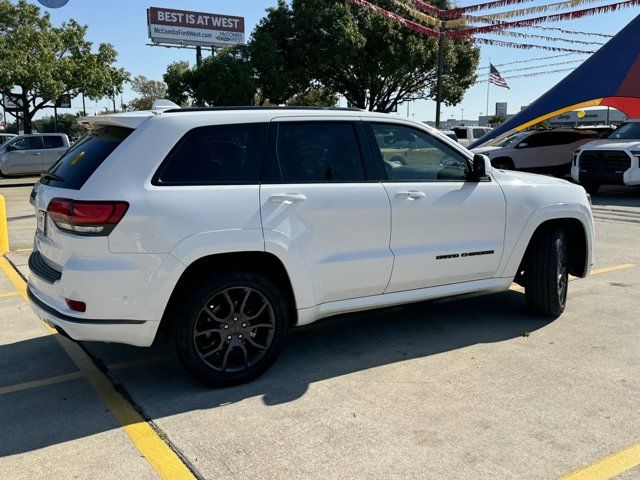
227, 227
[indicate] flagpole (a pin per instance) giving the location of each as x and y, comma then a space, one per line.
488, 83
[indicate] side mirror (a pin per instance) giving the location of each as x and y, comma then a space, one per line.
11, 148
481, 167
522, 145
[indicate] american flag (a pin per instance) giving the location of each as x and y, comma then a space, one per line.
496, 78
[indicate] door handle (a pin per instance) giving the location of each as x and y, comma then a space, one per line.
287, 198
410, 195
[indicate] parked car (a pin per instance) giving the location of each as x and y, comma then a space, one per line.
467, 135
31, 154
5, 137
451, 134
611, 161
603, 131
540, 151
227, 227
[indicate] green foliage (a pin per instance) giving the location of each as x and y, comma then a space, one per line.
149, 91
314, 97
225, 79
43, 62
375, 62
178, 82
67, 123
276, 58
496, 120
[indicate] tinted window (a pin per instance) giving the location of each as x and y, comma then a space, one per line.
52, 141
78, 163
221, 154
479, 132
413, 155
460, 132
318, 153
27, 143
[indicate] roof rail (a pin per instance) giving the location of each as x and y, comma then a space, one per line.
223, 109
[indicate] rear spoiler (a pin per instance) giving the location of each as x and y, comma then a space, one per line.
130, 120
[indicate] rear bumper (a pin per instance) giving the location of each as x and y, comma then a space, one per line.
132, 332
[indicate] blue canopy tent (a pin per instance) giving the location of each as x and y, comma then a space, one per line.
610, 77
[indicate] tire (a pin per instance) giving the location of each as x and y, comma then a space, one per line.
238, 338
546, 274
591, 188
503, 163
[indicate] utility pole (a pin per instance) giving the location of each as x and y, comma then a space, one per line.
198, 55
55, 117
441, 39
84, 109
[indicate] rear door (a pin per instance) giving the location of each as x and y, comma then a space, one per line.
323, 208
24, 156
54, 146
446, 229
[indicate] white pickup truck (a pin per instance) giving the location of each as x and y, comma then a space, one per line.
614, 160
468, 135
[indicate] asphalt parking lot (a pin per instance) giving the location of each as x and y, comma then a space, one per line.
473, 388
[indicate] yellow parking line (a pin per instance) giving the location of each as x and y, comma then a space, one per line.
612, 269
40, 383
10, 294
608, 467
161, 457
598, 271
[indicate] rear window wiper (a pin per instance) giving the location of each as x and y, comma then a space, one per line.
51, 176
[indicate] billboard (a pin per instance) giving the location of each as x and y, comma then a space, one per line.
64, 101
11, 104
182, 27
501, 108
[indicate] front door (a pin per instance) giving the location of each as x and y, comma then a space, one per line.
322, 209
24, 155
446, 229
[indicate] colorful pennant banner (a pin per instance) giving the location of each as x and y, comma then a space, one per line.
555, 64
416, 27
536, 59
524, 46
548, 18
513, 33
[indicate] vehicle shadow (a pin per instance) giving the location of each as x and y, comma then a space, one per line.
617, 196
332, 348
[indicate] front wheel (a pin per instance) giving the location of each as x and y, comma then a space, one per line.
547, 274
232, 329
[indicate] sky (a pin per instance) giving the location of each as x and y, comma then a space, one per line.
123, 24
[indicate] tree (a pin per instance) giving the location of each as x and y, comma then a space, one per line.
374, 61
226, 79
279, 69
496, 120
178, 80
314, 97
67, 123
149, 91
42, 62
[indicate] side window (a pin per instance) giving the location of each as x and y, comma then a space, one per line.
27, 143
532, 141
460, 132
52, 141
479, 132
409, 155
221, 154
318, 153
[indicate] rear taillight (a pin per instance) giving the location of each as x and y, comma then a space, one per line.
86, 218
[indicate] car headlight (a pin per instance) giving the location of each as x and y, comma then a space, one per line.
576, 154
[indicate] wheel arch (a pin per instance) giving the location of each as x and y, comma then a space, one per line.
260, 262
577, 242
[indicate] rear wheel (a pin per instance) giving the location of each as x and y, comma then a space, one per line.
547, 274
591, 188
232, 329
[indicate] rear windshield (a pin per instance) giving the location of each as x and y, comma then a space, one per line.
78, 163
